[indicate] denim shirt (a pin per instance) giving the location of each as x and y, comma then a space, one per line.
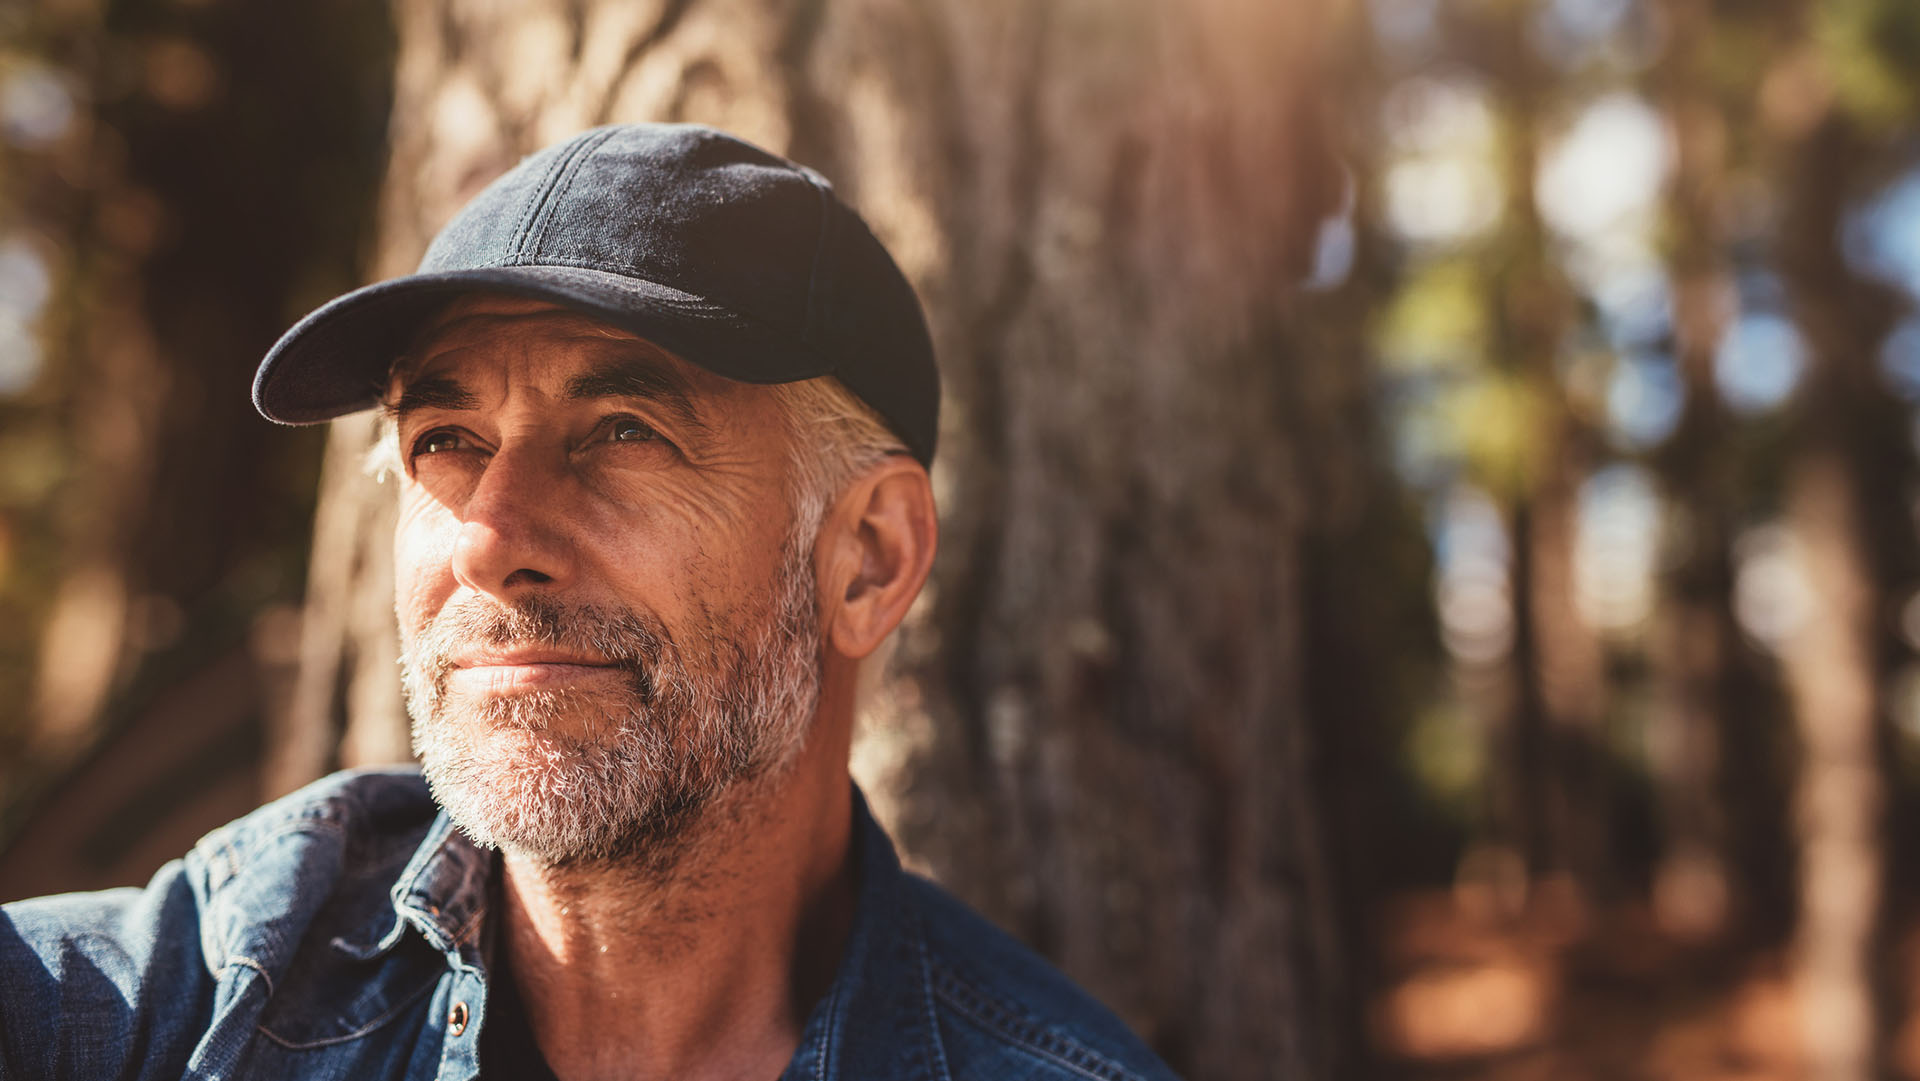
337, 934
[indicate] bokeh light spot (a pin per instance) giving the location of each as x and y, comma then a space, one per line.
25, 285
1771, 595
1759, 362
1441, 185
1474, 594
1644, 399
1606, 170
36, 107
1616, 547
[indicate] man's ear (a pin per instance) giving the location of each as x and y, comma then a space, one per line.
875, 551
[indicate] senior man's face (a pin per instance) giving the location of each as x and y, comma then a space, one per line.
606, 616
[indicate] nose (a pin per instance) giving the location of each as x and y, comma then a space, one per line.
513, 536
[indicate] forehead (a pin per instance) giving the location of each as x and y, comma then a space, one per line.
490, 335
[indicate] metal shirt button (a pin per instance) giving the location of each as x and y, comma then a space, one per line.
457, 1018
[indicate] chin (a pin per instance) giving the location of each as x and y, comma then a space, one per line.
541, 792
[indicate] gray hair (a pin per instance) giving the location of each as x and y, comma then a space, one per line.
835, 437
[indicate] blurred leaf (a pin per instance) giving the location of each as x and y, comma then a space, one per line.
1446, 757
1438, 321
1872, 50
1736, 57
30, 469
1495, 424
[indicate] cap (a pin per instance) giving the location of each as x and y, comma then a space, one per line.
733, 258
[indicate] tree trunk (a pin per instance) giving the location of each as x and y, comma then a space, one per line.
1707, 753
1852, 546
1550, 797
1093, 732
1371, 651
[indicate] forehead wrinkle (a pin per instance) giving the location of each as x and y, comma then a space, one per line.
637, 369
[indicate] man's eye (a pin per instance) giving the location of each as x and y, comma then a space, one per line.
437, 441
629, 430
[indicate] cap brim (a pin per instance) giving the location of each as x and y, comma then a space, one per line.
336, 360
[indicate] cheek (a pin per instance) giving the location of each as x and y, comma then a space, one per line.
423, 540
640, 559
655, 529
682, 559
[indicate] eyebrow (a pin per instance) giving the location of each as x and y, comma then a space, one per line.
434, 392
636, 379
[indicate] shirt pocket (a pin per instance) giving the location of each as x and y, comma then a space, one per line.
329, 996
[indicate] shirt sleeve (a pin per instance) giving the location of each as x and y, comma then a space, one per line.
108, 984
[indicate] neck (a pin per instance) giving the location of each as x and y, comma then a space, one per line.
706, 966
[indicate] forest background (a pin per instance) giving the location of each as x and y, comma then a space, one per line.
1429, 583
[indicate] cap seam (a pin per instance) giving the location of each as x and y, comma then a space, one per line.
540, 191
556, 186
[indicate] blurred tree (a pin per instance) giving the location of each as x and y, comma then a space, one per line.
1095, 731
1555, 811
1371, 655
1828, 127
204, 144
1854, 550
1717, 782
1525, 445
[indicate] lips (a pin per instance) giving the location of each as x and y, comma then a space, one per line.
478, 650
509, 671
512, 656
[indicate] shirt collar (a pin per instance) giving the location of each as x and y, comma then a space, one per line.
442, 893
876, 1020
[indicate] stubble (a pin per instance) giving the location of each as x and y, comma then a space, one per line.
629, 770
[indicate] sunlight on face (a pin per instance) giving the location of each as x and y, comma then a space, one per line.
607, 619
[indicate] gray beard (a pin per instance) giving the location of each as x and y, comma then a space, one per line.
634, 772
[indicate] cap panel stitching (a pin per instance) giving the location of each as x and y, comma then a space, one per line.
540, 192
556, 187
561, 189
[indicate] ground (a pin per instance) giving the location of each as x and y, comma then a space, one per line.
1556, 990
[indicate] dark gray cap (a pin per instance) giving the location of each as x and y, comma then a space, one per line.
731, 257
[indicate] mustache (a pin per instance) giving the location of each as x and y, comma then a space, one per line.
627, 639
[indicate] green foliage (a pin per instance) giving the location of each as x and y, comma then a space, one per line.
1871, 50
1437, 321
1737, 54
32, 467
1446, 755
1497, 418
1471, 414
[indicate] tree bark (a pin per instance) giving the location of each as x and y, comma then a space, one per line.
1093, 732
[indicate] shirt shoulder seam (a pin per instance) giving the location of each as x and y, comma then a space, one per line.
1012, 1025
935, 1045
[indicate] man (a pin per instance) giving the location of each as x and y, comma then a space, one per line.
660, 410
